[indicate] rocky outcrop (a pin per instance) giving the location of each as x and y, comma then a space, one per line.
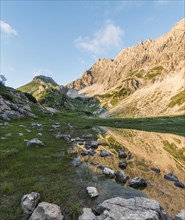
139, 208
14, 105
47, 211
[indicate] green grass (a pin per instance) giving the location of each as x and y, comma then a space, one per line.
138, 74
113, 97
178, 99
174, 151
156, 71
24, 169
7, 188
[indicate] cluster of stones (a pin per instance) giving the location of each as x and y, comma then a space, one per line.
43, 210
88, 148
139, 208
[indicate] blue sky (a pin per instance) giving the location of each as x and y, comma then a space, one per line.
62, 39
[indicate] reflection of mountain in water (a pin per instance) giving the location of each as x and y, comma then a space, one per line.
148, 149
167, 151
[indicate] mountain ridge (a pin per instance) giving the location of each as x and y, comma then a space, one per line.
139, 67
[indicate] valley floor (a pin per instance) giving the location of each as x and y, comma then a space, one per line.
49, 170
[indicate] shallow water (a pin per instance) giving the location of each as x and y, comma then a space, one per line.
148, 149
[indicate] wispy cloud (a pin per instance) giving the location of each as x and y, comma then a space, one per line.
42, 71
7, 29
109, 37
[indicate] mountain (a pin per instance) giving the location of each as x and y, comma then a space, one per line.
39, 85
141, 81
49, 94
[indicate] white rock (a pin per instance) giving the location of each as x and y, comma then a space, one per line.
47, 211
35, 142
109, 172
92, 191
29, 202
87, 215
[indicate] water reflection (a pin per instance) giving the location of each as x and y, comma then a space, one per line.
147, 150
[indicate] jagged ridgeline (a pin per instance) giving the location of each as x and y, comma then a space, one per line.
48, 93
141, 81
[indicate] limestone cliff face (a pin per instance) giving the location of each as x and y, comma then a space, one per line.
167, 51
137, 74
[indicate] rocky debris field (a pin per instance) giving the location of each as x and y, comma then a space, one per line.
9, 110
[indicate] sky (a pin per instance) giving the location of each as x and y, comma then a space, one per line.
62, 39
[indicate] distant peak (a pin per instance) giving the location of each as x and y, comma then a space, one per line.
45, 79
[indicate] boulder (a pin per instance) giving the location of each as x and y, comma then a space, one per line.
121, 176
87, 215
109, 172
36, 125
122, 165
122, 154
139, 208
180, 215
46, 211
66, 137
55, 126
95, 144
138, 183
29, 202
171, 177
35, 142
84, 153
179, 184
104, 153
92, 191
91, 152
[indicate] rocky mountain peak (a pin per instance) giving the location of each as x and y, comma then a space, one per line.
179, 26
166, 52
45, 79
